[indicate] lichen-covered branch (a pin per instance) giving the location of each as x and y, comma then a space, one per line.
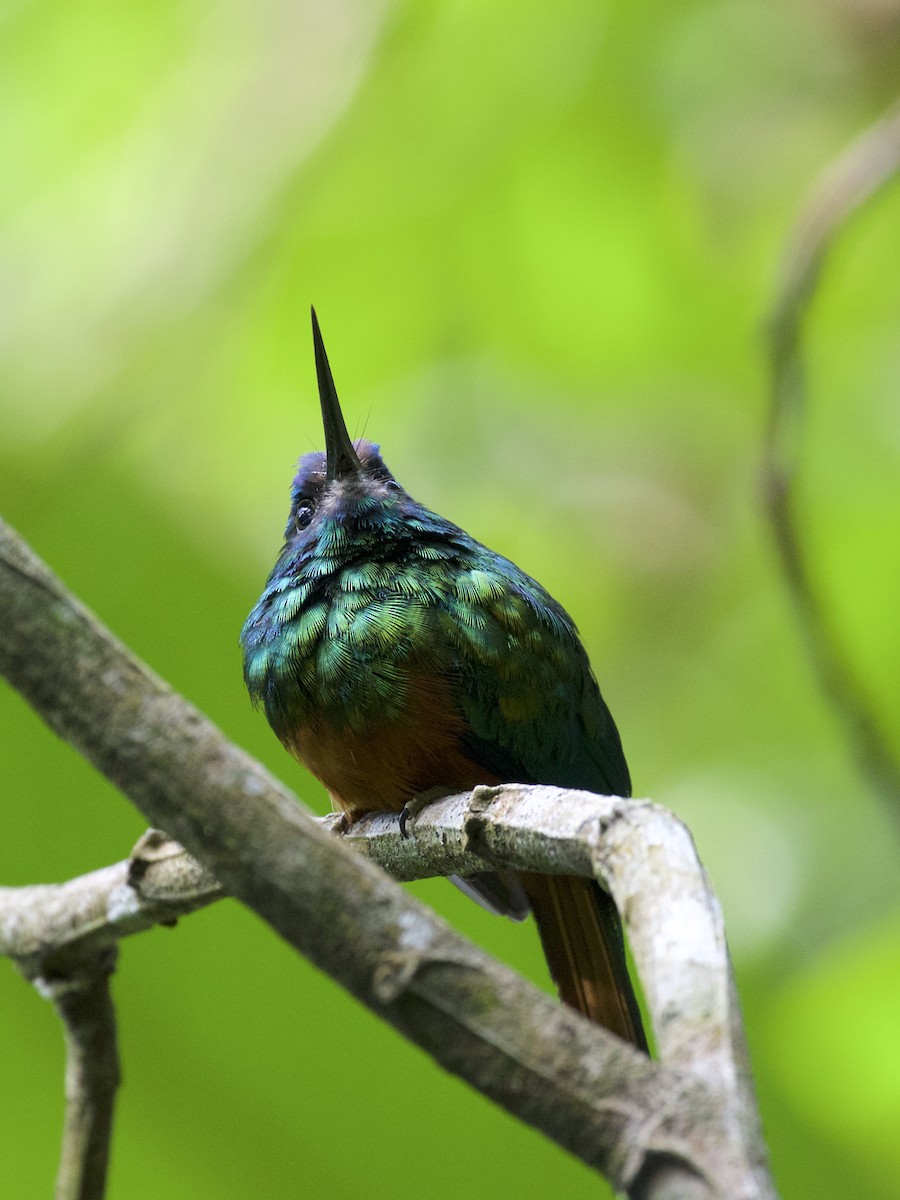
650, 1127
50, 929
675, 927
646, 858
866, 166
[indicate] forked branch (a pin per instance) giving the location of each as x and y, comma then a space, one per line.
683, 1126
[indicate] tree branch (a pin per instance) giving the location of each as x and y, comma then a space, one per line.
52, 929
63, 939
655, 1130
644, 856
84, 1003
866, 166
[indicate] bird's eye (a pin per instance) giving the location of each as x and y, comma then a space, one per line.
393, 485
303, 515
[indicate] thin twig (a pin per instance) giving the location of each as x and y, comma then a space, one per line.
63, 938
51, 928
83, 1001
871, 162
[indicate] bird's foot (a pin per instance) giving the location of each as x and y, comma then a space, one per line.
413, 807
407, 813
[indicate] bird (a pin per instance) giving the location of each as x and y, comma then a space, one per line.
397, 658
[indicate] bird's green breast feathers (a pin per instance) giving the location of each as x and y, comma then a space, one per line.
340, 629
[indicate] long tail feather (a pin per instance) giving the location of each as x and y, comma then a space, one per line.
582, 938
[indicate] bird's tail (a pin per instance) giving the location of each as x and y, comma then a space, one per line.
582, 938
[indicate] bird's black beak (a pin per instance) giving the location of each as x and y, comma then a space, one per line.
341, 458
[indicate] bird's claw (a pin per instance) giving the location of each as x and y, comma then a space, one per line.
414, 806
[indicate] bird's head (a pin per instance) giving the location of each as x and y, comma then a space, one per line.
345, 489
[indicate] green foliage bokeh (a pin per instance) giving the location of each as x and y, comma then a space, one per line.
541, 240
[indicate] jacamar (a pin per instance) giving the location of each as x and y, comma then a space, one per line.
395, 656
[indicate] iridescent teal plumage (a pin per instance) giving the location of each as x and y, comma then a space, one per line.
375, 586
395, 655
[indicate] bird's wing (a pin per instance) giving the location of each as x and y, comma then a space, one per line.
534, 712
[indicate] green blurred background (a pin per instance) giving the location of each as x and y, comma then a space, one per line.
541, 240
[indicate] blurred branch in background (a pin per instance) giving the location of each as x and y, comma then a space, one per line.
871, 162
685, 1126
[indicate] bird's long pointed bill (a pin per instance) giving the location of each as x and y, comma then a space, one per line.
341, 457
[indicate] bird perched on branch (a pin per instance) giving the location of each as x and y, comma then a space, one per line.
397, 657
